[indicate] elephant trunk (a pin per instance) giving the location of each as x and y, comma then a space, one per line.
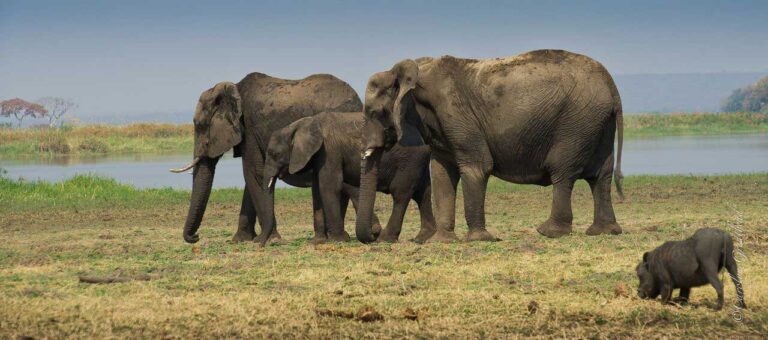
369, 170
201, 189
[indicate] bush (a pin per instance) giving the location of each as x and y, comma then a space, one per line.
54, 143
753, 98
93, 145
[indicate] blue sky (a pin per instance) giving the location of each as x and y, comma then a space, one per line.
157, 56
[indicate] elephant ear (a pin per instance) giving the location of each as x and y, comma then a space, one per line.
224, 130
406, 74
307, 140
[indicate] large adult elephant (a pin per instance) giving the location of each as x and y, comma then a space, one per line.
545, 117
242, 117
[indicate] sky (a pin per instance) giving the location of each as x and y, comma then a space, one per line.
138, 57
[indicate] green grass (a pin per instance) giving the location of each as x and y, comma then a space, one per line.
676, 124
583, 286
93, 192
168, 138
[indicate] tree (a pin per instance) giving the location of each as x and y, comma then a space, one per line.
57, 107
21, 109
753, 98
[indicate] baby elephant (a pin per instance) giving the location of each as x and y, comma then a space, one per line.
693, 262
330, 145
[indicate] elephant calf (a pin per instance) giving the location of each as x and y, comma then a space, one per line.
330, 145
693, 262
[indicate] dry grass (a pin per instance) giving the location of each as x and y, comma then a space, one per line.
164, 138
143, 137
582, 286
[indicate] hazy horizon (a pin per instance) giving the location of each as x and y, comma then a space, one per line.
143, 57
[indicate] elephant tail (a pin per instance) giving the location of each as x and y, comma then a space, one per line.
618, 177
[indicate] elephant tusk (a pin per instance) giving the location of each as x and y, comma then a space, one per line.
367, 153
186, 167
271, 182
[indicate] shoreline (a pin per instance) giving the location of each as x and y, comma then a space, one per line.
158, 138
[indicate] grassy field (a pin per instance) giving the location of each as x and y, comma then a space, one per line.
164, 138
525, 285
96, 139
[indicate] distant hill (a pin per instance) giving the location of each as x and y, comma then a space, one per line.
683, 92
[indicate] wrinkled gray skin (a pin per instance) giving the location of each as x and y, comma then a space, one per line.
545, 117
693, 262
329, 146
243, 116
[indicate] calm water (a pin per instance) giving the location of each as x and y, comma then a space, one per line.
664, 155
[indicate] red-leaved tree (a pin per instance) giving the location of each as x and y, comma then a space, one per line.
20, 109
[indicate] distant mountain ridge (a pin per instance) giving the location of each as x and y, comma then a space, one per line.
640, 93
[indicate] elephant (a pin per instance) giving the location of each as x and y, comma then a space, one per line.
242, 117
545, 117
329, 145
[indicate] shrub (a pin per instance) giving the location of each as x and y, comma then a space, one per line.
93, 145
54, 143
753, 98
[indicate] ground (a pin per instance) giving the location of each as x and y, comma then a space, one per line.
524, 285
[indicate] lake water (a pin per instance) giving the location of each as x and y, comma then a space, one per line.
661, 156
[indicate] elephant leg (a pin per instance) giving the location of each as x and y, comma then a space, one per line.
263, 201
423, 197
395, 224
561, 216
604, 220
330, 185
445, 178
353, 193
318, 216
344, 204
246, 224
474, 182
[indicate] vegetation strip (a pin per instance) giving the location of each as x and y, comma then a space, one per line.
170, 138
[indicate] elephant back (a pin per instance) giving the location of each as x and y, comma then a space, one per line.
270, 103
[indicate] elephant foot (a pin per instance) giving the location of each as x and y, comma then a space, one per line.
479, 234
339, 237
604, 228
443, 236
423, 236
243, 236
553, 229
318, 239
276, 241
387, 237
376, 230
